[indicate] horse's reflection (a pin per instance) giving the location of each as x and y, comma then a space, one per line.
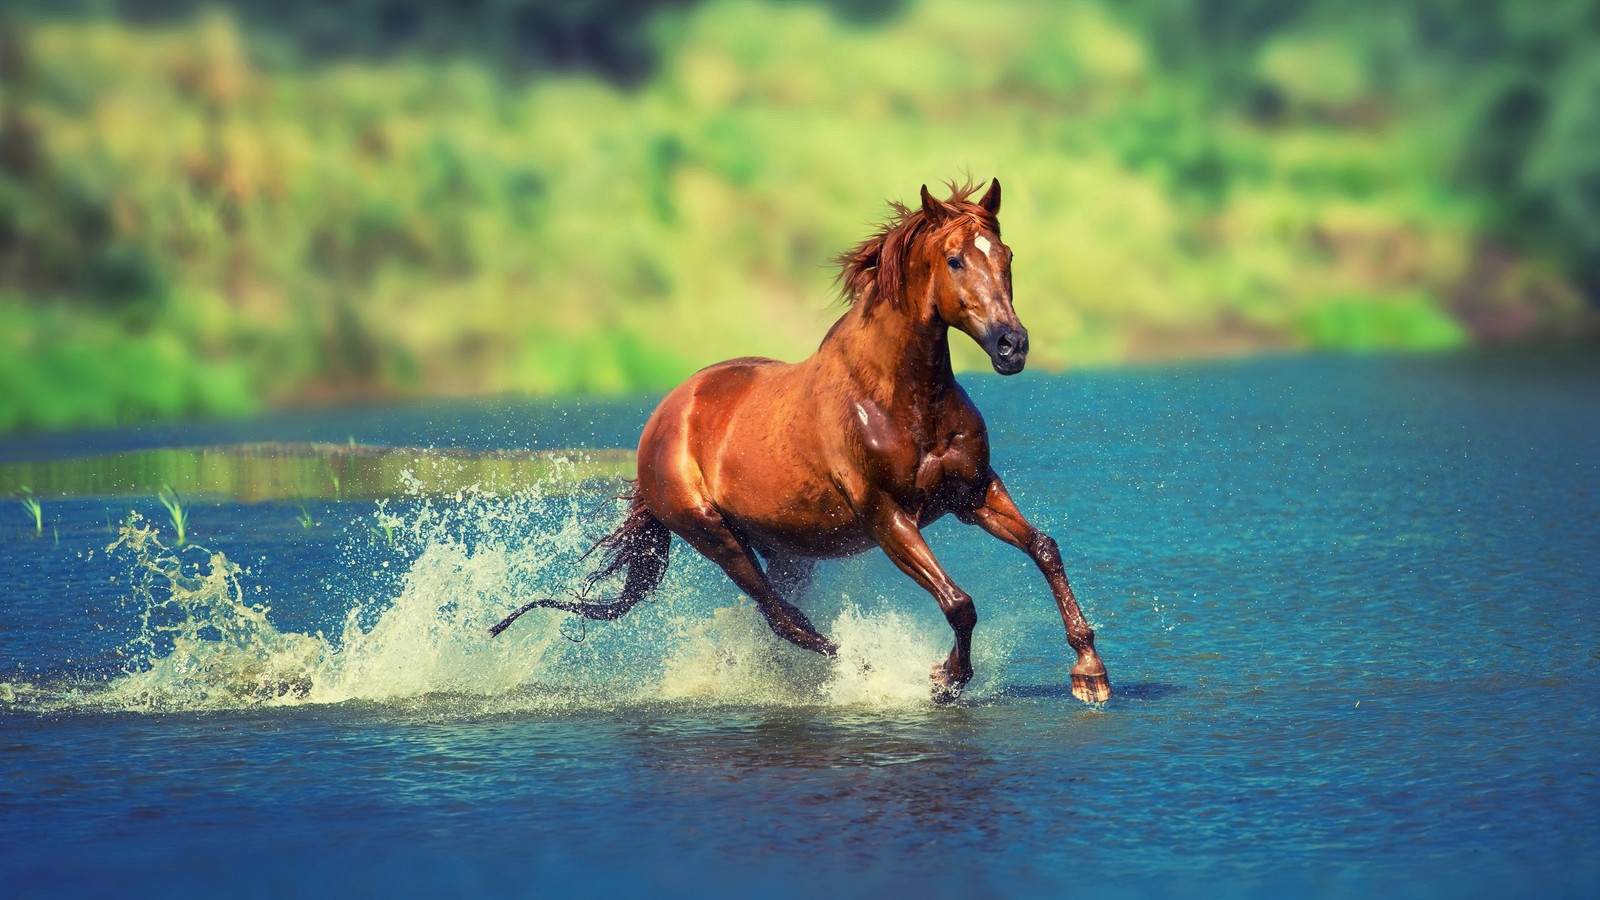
1147, 691
929, 769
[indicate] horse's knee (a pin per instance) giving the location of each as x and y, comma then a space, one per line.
960, 611
1044, 551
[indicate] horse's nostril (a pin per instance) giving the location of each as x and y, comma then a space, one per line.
1012, 343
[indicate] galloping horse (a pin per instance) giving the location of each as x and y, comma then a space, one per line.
862, 444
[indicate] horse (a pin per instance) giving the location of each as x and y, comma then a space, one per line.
864, 443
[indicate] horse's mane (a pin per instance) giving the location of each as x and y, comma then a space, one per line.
874, 270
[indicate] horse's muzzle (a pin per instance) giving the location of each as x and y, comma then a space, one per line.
1007, 348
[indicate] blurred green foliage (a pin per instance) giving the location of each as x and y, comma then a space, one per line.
202, 212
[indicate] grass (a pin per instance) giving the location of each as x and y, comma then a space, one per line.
30, 503
176, 512
304, 517
386, 528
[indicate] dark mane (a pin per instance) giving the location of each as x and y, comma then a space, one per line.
875, 268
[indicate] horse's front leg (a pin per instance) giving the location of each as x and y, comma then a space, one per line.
897, 533
999, 516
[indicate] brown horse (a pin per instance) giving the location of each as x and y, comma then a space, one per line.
863, 444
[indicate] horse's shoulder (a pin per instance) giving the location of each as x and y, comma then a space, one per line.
880, 432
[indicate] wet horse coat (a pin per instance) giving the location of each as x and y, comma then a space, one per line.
861, 444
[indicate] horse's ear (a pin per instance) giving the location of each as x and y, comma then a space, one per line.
991, 198
932, 208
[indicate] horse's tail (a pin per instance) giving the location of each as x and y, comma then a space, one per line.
639, 545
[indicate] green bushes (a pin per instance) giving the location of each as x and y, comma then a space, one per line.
192, 222
61, 368
1408, 322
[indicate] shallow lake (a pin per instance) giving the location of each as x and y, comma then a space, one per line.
1350, 607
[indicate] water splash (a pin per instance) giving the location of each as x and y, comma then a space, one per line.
434, 575
199, 642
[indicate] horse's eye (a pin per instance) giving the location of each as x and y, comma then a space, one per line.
955, 263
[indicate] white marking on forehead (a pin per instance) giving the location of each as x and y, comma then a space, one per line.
982, 243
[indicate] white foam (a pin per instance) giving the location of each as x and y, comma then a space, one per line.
201, 644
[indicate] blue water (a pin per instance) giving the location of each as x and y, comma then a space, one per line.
1350, 608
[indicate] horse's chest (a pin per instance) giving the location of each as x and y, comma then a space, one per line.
923, 462
929, 469
951, 460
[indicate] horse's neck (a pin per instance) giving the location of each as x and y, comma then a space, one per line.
899, 357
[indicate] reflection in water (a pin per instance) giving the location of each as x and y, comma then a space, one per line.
255, 473
1063, 692
818, 778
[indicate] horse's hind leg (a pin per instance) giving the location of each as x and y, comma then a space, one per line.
790, 576
706, 531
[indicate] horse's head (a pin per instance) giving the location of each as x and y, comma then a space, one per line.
970, 277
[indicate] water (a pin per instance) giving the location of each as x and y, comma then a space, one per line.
1349, 607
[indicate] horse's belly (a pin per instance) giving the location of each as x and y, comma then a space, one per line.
796, 514
813, 543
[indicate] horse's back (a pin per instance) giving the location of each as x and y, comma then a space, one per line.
695, 416
747, 438
712, 395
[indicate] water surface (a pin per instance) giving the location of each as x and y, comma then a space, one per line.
1349, 608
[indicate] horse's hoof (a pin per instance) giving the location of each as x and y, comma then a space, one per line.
945, 688
1091, 688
